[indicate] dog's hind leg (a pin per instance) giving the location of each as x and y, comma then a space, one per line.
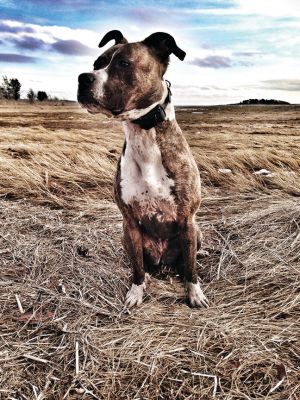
200, 251
188, 240
133, 243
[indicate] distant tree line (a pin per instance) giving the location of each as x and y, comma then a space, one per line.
10, 89
263, 101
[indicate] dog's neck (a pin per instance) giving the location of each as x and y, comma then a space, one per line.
157, 113
131, 128
150, 117
134, 133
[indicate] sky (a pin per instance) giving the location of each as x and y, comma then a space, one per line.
236, 49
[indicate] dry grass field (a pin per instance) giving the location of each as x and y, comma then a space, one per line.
63, 331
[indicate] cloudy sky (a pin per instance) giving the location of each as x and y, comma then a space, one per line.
236, 49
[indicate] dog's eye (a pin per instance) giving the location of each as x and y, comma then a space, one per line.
124, 63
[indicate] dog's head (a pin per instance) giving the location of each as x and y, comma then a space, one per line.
128, 77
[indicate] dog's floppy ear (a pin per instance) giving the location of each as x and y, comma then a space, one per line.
113, 35
163, 45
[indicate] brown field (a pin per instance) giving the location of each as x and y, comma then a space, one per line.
63, 331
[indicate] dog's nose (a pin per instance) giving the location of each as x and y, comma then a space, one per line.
86, 79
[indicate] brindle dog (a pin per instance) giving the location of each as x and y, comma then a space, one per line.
157, 186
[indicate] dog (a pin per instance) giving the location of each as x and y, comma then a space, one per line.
157, 184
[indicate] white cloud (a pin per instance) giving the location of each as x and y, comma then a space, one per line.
271, 8
49, 33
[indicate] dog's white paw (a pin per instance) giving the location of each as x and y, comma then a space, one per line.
134, 295
196, 297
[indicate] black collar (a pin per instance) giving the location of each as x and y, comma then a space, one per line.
156, 115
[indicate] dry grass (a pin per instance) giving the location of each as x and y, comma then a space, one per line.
64, 333
58, 154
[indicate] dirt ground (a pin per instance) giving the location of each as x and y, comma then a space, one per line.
64, 333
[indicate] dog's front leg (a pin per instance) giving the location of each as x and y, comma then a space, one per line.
188, 239
133, 243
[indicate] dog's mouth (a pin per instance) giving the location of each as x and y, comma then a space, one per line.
94, 108
87, 101
107, 103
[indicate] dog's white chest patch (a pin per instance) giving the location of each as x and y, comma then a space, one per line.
144, 180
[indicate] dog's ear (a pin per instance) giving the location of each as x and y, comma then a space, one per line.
113, 35
163, 45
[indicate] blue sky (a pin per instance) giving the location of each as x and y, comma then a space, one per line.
236, 49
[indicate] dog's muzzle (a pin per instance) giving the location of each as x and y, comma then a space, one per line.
85, 80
